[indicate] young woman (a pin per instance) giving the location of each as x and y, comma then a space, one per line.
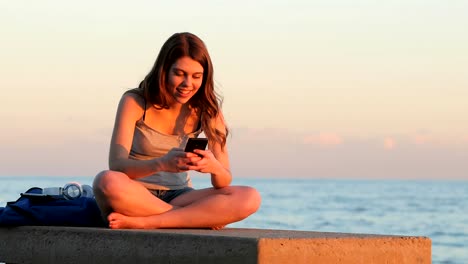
148, 185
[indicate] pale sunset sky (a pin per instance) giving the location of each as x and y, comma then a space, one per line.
361, 89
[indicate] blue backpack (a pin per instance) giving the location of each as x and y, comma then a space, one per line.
50, 211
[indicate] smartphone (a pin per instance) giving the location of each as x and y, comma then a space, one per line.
196, 143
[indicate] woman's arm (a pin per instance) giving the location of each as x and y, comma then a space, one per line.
215, 160
221, 176
129, 111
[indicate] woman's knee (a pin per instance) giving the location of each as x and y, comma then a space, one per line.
107, 182
250, 198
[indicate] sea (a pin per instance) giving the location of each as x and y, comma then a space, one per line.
437, 209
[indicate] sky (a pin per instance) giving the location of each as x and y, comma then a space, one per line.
360, 89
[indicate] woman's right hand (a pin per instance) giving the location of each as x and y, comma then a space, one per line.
177, 160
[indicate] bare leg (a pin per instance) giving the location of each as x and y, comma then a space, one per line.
116, 192
206, 208
128, 204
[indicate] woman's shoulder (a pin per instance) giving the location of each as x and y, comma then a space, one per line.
132, 105
134, 95
137, 91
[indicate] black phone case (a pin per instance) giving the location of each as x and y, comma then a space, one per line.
196, 143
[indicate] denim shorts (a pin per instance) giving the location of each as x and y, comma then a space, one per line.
169, 195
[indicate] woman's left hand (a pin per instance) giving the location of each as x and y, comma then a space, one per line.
207, 164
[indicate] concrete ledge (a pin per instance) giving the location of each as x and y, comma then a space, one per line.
35, 244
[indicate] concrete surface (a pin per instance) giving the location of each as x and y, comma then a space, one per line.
34, 244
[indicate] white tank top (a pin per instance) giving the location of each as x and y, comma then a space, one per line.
149, 143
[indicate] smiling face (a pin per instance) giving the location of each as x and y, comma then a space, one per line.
185, 77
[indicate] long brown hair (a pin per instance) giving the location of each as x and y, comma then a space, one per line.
206, 100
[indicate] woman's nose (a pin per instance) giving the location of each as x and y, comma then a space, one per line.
188, 81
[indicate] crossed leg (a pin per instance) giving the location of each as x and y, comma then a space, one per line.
130, 205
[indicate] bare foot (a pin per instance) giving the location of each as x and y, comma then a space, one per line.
120, 221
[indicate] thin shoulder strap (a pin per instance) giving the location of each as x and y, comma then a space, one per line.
199, 125
144, 113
